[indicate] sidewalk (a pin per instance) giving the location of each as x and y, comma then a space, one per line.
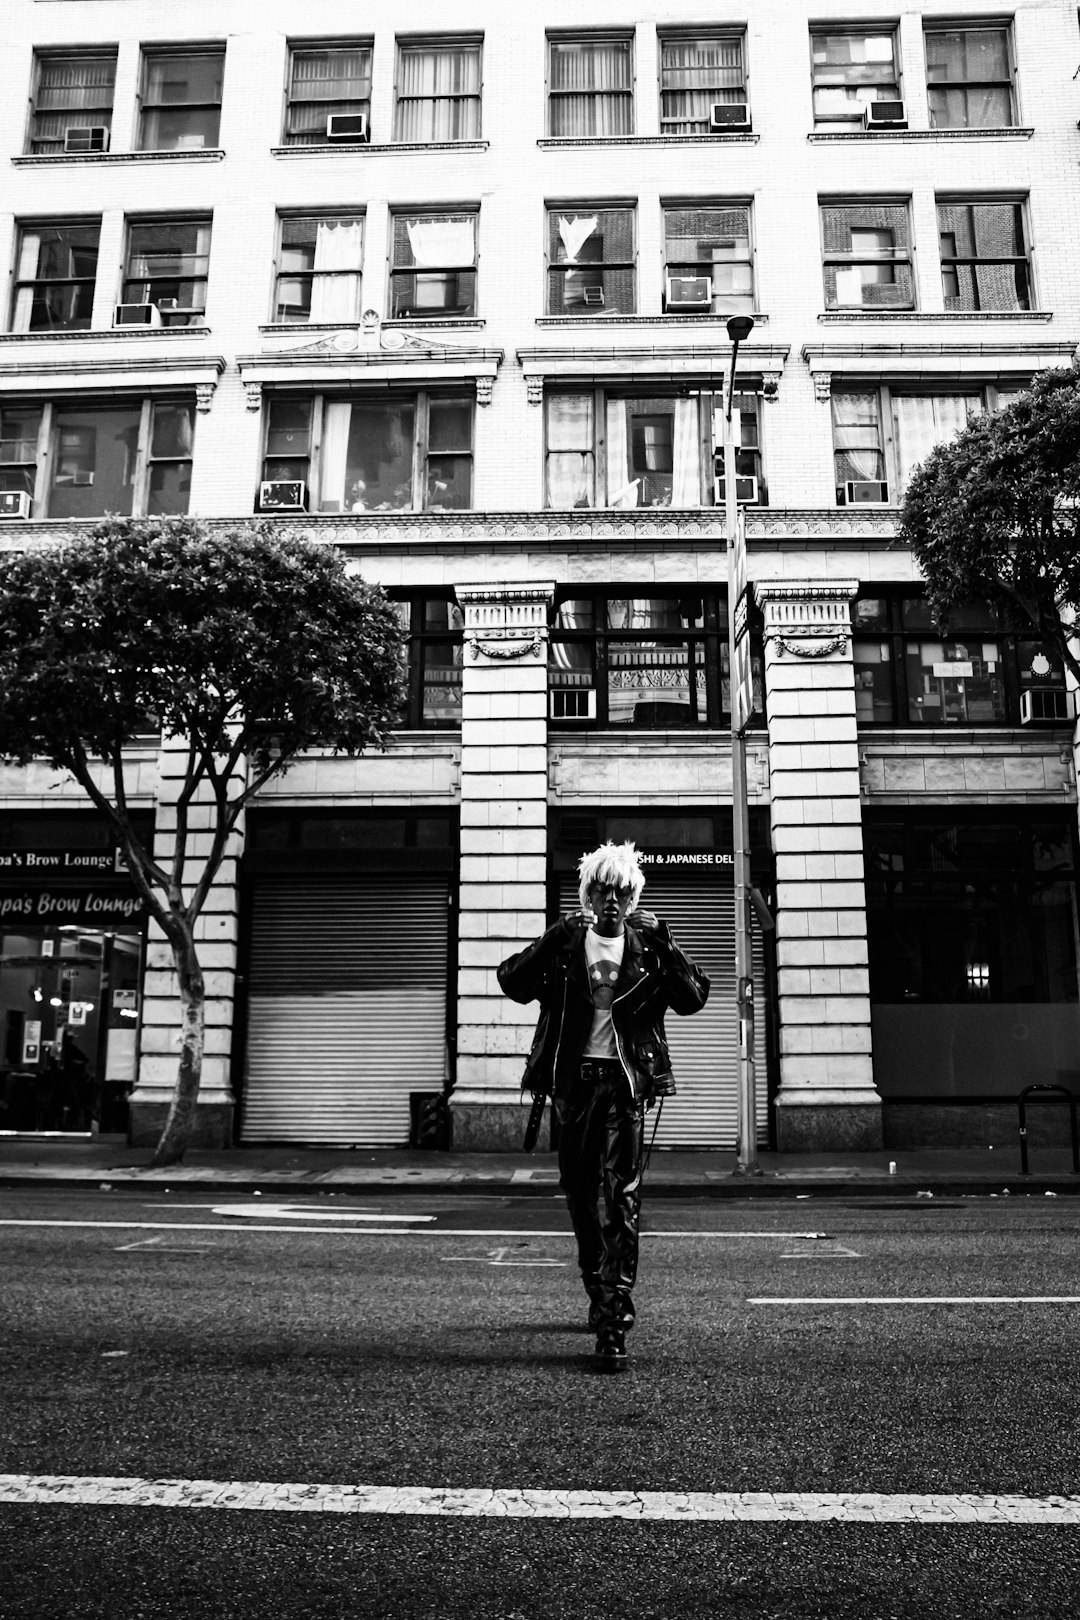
91, 1163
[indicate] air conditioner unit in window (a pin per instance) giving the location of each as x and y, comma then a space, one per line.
866, 492
14, 503
136, 315
593, 297
1045, 703
726, 115
86, 138
689, 292
572, 703
746, 490
348, 127
283, 495
885, 115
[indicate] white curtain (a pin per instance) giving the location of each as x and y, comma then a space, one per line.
439, 95
445, 243
338, 248
28, 269
333, 460
620, 492
574, 233
686, 483
924, 421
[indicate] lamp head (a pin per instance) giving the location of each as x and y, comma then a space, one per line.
740, 327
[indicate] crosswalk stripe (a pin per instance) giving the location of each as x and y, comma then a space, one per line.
70, 1490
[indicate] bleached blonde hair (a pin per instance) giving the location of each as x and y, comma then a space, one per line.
611, 863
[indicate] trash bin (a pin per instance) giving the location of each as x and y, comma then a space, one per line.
429, 1121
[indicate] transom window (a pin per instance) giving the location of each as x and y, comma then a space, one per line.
181, 101
881, 434
867, 255
319, 265
325, 82
373, 453
73, 102
606, 448
434, 625
590, 85
698, 72
590, 261
707, 260
82, 459
984, 256
851, 69
438, 92
433, 269
56, 267
970, 78
167, 265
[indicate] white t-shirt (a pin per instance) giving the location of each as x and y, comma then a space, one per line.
604, 959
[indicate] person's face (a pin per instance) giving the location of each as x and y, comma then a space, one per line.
611, 905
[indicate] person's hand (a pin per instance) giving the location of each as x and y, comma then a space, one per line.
643, 919
579, 919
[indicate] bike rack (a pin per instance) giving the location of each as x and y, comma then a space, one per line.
1022, 1106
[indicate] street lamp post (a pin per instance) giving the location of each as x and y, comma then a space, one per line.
741, 705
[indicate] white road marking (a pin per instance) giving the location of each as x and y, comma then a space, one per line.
822, 1254
305, 1212
160, 1243
495, 1257
432, 1232
64, 1490
921, 1299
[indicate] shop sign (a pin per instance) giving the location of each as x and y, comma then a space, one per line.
45, 863
52, 907
691, 858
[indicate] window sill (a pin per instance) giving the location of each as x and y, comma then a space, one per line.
453, 323
835, 317
296, 328
353, 149
553, 143
640, 320
1004, 133
107, 333
45, 160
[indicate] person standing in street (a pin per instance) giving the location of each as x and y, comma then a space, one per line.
604, 975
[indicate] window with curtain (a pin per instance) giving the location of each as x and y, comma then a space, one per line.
881, 433
434, 625
181, 101
984, 256
83, 458
851, 68
70, 92
56, 267
867, 255
608, 449
319, 265
412, 452
707, 260
651, 662
969, 77
590, 86
433, 264
695, 73
168, 262
591, 261
438, 91
323, 81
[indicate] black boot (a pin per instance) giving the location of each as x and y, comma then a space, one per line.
610, 1353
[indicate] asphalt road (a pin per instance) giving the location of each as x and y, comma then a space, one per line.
308, 1340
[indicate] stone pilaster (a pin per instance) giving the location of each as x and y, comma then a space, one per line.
216, 934
503, 849
827, 1097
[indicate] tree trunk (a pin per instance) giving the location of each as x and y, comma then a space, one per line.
181, 1115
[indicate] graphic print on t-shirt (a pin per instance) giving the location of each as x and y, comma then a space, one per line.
604, 959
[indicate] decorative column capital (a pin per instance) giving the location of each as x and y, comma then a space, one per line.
807, 618
253, 395
823, 386
204, 396
506, 621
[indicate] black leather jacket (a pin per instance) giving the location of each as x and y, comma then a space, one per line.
655, 975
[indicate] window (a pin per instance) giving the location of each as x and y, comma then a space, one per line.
434, 626
590, 86
433, 268
970, 78
851, 69
867, 255
606, 448
909, 671
378, 454
54, 278
72, 93
323, 82
181, 101
81, 459
590, 261
438, 94
707, 260
319, 266
984, 259
881, 434
167, 265
696, 74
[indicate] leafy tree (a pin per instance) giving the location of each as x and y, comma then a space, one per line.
245, 646
995, 513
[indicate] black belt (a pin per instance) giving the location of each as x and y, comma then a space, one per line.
600, 1068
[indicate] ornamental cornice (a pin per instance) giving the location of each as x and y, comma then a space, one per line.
806, 618
553, 143
907, 361
504, 623
805, 590
375, 149
1022, 132
109, 334
49, 160
527, 591
703, 362
933, 317
56, 372
371, 351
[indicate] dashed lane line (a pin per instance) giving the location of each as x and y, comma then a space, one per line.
918, 1299
69, 1490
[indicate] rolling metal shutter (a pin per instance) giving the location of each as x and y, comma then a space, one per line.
346, 1008
700, 912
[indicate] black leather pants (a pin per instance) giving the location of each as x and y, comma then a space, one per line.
601, 1131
